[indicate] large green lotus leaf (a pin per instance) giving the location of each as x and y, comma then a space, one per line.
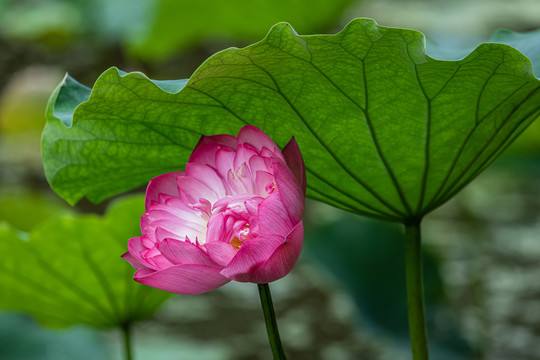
179, 24
385, 130
68, 270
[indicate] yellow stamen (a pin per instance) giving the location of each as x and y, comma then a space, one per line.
236, 243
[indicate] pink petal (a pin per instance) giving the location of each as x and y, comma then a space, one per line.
243, 154
220, 252
208, 176
204, 154
252, 205
176, 225
146, 225
162, 234
238, 204
135, 247
216, 228
173, 210
272, 154
132, 260
295, 162
148, 239
222, 140
292, 195
251, 255
146, 253
157, 261
258, 163
188, 279
254, 225
224, 161
254, 136
273, 219
181, 209
184, 252
205, 150
263, 183
240, 180
192, 189
163, 184
283, 259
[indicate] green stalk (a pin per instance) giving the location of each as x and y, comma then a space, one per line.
270, 320
126, 334
415, 291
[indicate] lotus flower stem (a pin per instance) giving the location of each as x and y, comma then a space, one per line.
126, 334
415, 291
270, 320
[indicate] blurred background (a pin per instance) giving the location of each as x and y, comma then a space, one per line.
346, 297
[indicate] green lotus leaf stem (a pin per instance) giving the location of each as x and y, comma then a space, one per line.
270, 320
126, 335
415, 291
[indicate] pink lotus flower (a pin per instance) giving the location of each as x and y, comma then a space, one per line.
234, 214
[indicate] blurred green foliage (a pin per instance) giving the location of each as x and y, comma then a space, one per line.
154, 30
180, 24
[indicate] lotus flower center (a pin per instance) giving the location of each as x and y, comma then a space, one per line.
241, 237
236, 243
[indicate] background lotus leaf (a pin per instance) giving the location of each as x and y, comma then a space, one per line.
68, 270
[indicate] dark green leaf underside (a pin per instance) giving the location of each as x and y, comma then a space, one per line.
70, 270
385, 130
